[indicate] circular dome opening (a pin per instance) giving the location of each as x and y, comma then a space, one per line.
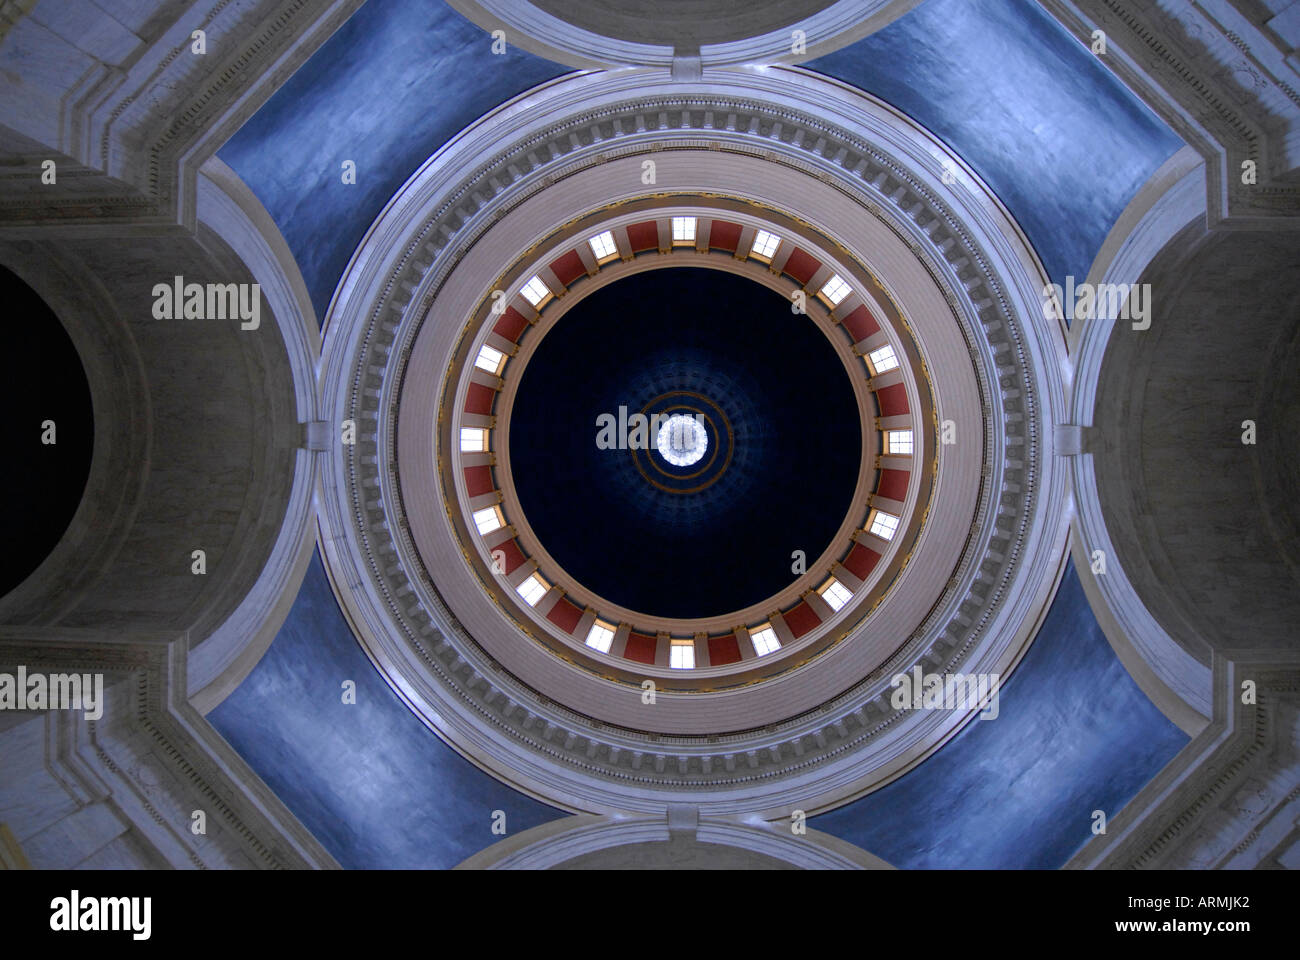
758, 428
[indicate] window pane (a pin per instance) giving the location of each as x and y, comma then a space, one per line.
473, 440
490, 359
884, 524
532, 590
883, 359
764, 641
835, 594
488, 519
602, 245
765, 245
835, 290
683, 229
601, 636
899, 442
682, 656
535, 291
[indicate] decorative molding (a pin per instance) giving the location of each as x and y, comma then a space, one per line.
141, 129
154, 759
1214, 90
1230, 799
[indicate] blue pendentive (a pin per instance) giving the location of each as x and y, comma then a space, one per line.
369, 780
1061, 141
396, 82
1073, 734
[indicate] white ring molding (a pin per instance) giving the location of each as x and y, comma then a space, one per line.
221, 661
1174, 680
539, 32
882, 168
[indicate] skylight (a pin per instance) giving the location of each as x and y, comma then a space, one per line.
883, 525
532, 589
764, 246
764, 640
835, 593
602, 245
535, 291
601, 636
683, 229
835, 290
882, 359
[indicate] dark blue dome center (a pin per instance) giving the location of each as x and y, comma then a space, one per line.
685, 542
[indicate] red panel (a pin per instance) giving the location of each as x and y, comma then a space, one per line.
511, 556
478, 480
861, 561
479, 399
641, 648
801, 266
511, 324
892, 400
861, 324
643, 236
723, 650
568, 268
564, 615
893, 484
800, 619
724, 235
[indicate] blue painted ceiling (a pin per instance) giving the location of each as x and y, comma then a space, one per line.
371, 782
1073, 734
1042, 120
794, 442
395, 83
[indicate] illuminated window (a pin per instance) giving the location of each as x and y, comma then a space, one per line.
601, 636
835, 290
489, 519
473, 440
490, 359
883, 525
535, 291
882, 359
835, 593
602, 245
681, 655
683, 229
532, 589
765, 244
764, 640
898, 442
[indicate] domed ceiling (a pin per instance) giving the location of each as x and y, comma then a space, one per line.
778, 476
796, 438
